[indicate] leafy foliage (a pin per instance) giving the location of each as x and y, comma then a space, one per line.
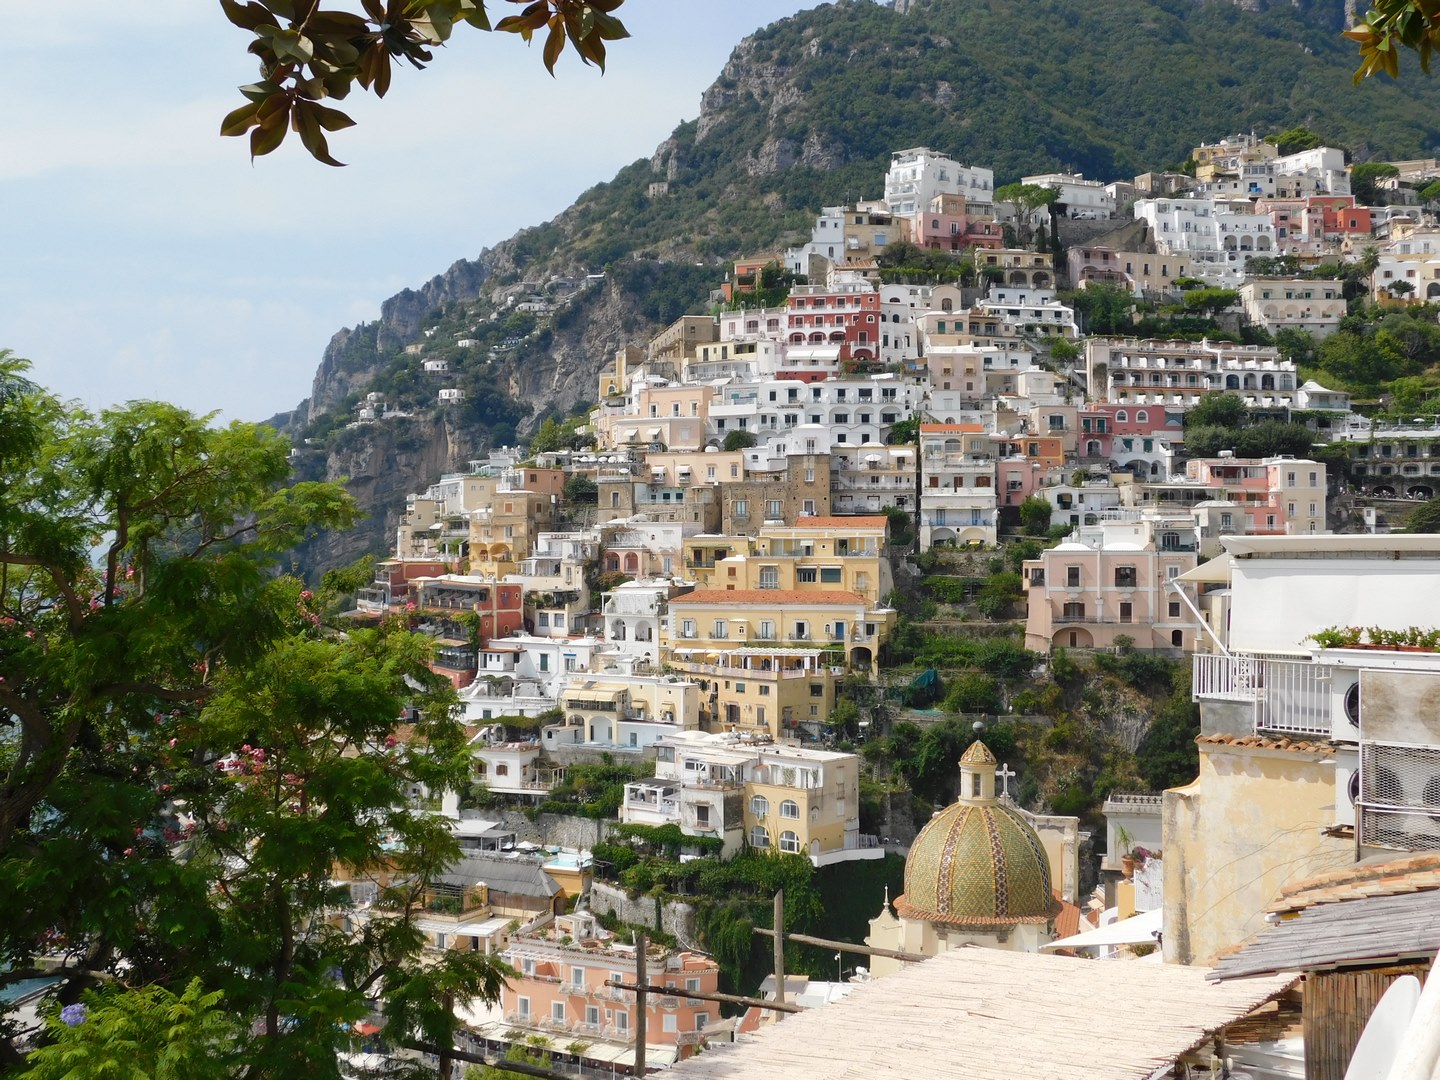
197, 751
309, 54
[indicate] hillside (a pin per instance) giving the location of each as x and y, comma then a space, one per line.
805, 114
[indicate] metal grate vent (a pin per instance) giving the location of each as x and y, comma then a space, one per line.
1400, 795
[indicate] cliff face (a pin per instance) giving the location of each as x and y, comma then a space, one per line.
805, 114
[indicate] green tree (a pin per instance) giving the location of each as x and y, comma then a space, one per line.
1299, 345
738, 440
1365, 177
1425, 518
1294, 140
1035, 515
581, 490
1106, 308
1211, 301
196, 750
1063, 350
1024, 200
1216, 410
310, 54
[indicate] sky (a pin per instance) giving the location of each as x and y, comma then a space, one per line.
142, 256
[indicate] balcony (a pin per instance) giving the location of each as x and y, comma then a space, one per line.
1287, 697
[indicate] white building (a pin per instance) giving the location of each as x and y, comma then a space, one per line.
919, 174
1218, 236
1179, 373
522, 675
1294, 304
1086, 199
872, 478
631, 613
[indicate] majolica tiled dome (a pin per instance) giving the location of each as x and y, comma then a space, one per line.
978, 862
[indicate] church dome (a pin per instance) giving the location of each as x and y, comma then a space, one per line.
978, 862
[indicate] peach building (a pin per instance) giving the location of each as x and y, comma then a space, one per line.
564, 988
1114, 579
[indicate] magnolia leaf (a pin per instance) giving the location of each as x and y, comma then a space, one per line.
330, 119
284, 8
610, 28
247, 16
307, 126
265, 138
240, 120
554, 45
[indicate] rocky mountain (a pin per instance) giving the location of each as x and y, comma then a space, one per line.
805, 114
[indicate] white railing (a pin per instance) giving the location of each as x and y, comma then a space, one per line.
1294, 698
1223, 678
1288, 696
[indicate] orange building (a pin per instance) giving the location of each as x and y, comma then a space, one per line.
564, 988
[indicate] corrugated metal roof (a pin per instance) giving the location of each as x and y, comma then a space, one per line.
1367, 930
525, 877
981, 1014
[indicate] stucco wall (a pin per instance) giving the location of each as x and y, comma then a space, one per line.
1249, 825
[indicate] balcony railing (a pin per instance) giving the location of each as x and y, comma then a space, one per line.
1288, 697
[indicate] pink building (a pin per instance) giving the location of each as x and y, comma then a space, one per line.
1115, 579
1101, 422
949, 225
564, 988
1231, 496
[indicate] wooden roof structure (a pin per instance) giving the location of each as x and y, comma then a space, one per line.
1368, 931
982, 1014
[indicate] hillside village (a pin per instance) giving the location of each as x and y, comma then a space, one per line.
1106, 474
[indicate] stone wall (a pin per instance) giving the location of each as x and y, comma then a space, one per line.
558, 830
673, 917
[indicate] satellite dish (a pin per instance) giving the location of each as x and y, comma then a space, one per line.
1380, 1041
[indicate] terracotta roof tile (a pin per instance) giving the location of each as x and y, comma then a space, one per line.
1393, 877
1261, 742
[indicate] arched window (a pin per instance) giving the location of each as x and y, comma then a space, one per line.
1121, 416
789, 808
1142, 417
789, 843
759, 807
759, 838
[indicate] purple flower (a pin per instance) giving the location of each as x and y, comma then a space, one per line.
72, 1015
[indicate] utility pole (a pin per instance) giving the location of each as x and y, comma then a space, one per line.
780, 951
640, 1003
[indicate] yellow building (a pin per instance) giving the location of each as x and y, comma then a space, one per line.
781, 692
1253, 822
806, 802
707, 622
815, 555
504, 533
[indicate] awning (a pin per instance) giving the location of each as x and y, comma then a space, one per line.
1136, 930
1214, 572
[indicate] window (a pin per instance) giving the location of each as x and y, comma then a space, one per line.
759, 807
544, 662
702, 816
806, 575
522, 1005
774, 509
693, 986
670, 1023
1174, 609
577, 976
1125, 577
802, 631
557, 1011
1126, 611
769, 577
719, 629
742, 508
687, 628
759, 838
807, 508
767, 630
1072, 576
789, 809
789, 843
592, 1015
622, 1021
830, 575
701, 1019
